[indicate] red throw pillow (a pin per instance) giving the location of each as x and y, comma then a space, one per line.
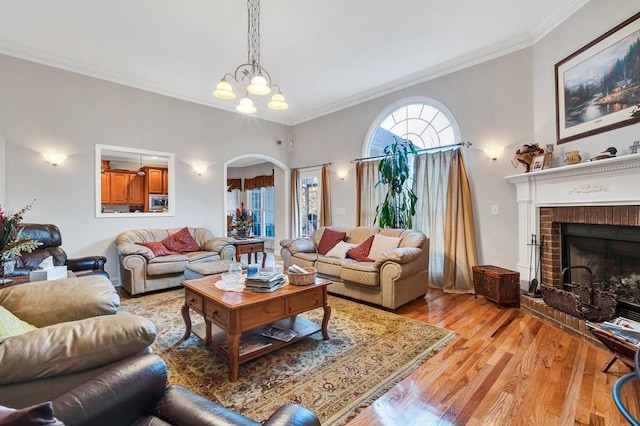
329, 239
157, 248
181, 242
361, 252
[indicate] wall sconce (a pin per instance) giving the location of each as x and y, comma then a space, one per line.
53, 158
342, 174
200, 168
494, 152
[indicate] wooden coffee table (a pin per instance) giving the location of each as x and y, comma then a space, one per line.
232, 317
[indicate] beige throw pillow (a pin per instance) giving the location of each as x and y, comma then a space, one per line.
340, 250
382, 244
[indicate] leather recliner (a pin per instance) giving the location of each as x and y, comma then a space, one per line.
135, 392
49, 236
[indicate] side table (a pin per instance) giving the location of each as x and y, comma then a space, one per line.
249, 246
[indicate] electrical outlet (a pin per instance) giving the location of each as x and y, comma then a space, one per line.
495, 263
495, 209
341, 210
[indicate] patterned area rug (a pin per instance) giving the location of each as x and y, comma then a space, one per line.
369, 351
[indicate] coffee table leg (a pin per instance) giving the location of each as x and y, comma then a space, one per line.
325, 320
233, 344
187, 323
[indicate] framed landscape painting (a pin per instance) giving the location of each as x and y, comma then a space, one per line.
598, 86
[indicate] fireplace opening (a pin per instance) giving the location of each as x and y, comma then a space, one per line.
613, 255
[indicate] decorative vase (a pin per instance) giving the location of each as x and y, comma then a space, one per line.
572, 157
243, 233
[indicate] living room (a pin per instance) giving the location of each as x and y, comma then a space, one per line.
502, 97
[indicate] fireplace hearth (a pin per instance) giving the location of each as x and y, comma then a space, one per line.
557, 203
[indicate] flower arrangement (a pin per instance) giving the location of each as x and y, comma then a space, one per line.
635, 112
11, 243
242, 218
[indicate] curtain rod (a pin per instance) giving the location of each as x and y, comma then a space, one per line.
418, 151
315, 165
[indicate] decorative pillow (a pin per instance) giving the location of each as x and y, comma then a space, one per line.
181, 242
157, 248
11, 325
40, 414
340, 250
361, 252
382, 244
329, 239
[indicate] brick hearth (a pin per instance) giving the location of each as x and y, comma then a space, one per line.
552, 217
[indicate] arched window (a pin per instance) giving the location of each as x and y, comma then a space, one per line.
423, 121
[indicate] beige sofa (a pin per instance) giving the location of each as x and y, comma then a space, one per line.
141, 271
395, 278
79, 334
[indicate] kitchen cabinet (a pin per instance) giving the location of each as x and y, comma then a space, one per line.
105, 188
156, 180
122, 187
136, 189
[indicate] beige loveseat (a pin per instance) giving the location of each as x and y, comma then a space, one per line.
393, 279
79, 334
141, 271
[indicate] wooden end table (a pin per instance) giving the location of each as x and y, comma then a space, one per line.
243, 316
249, 246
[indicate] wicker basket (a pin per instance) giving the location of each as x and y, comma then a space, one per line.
307, 278
583, 301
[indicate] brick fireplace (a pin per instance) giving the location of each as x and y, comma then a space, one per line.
605, 192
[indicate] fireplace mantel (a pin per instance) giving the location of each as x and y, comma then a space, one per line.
610, 182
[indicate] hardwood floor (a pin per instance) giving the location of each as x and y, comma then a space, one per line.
505, 368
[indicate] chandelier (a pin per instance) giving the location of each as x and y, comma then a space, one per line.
250, 77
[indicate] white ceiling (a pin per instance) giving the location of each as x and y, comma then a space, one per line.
325, 55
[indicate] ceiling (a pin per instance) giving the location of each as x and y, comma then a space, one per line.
325, 55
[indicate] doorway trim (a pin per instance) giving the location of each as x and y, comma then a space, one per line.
287, 189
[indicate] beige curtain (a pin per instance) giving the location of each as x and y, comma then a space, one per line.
445, 215
325, 206
295, 203
460, 234
368, 196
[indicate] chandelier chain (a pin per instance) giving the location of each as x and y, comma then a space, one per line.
253, 36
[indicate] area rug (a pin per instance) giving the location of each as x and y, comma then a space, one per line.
369, 351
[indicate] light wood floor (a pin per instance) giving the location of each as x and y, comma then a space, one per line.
505, 368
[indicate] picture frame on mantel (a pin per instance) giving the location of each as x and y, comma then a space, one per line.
598, 86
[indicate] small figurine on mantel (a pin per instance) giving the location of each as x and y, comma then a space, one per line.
633, 149
607, 153
526, 154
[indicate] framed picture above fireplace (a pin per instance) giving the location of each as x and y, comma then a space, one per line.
598, 86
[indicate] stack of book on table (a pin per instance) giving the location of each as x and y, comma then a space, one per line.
264, 281
623, 328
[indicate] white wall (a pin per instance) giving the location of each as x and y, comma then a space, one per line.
492, 103
43, 108
590, 22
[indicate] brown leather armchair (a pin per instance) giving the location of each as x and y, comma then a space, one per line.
49, 236
136, 392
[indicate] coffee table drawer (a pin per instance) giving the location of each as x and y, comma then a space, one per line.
194, 301
305, 301
217, 314
260, 314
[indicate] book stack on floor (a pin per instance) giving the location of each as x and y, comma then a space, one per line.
264, 281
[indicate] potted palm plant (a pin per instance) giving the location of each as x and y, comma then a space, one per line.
399, 205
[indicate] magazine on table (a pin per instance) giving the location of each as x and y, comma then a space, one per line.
623, 328
266, 276
264, 289
248, 346
280, 333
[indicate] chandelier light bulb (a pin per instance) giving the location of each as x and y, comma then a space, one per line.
246, 106
259, 86
224, 90
278, 102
